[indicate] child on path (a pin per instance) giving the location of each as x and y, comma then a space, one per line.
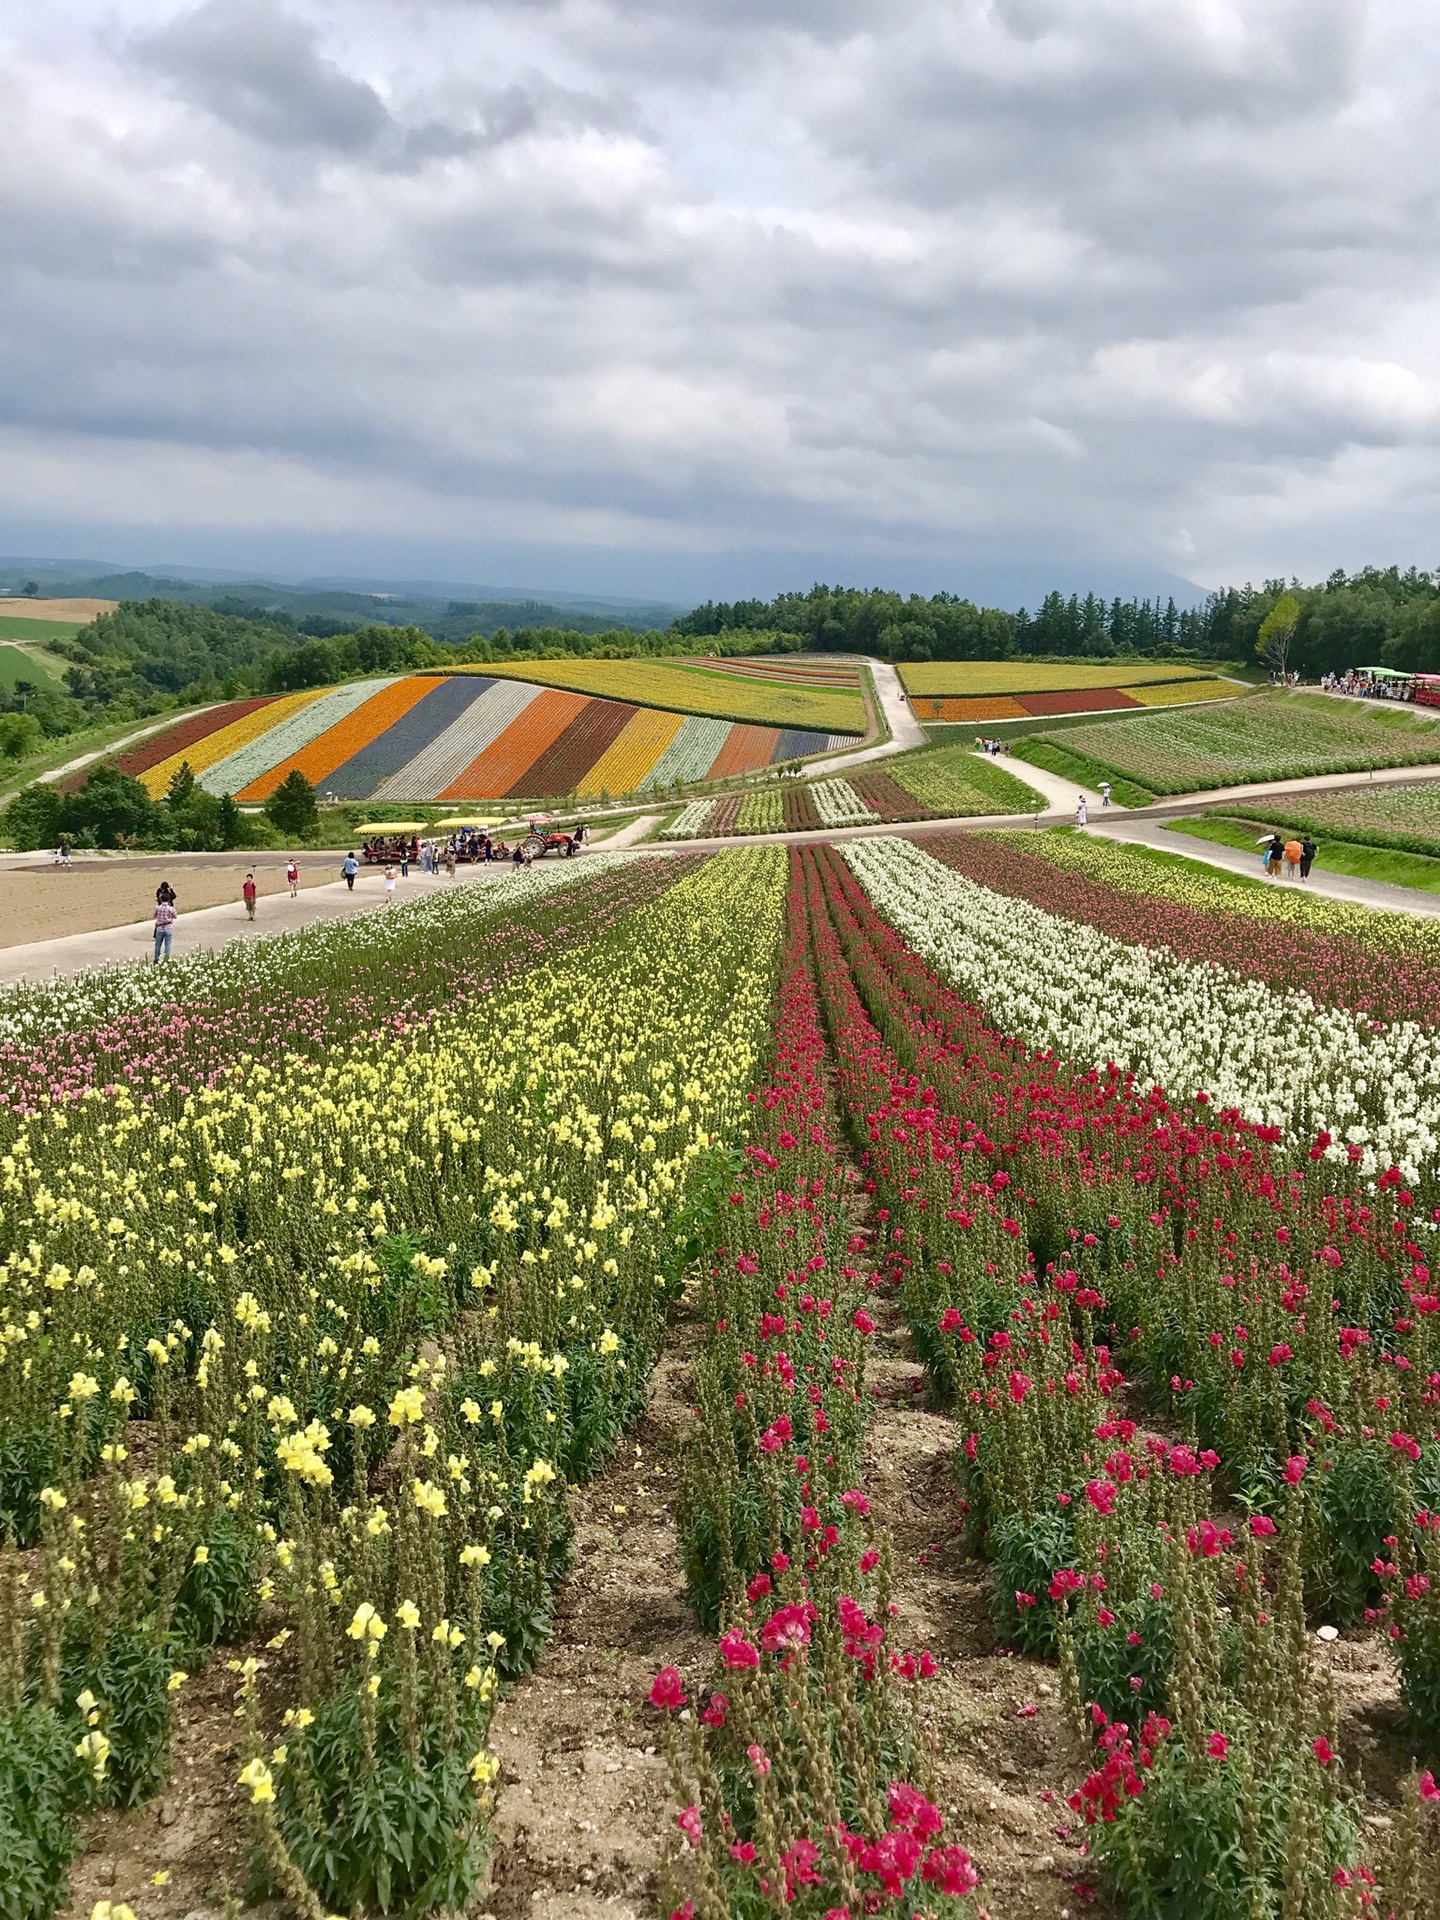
389, 885
248, 892
292, 874
164, 918
349, 867
449, 863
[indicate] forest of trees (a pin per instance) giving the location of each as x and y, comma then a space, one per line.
1379, 616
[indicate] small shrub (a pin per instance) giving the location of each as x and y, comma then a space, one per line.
41, 1784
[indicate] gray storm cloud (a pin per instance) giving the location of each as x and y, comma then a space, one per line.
1075, 277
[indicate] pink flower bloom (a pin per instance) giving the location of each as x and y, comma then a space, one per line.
666, 1690
758, 1758
688, 1821
1261, 1525
1322, 1750
736, 1650
1217, 1746
1294, 1469
950, 1870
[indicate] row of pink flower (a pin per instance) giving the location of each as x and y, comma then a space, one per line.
367, 990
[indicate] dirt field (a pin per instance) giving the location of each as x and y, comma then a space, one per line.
39, 901
83, 610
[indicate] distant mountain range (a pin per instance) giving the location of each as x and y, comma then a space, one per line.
450, 610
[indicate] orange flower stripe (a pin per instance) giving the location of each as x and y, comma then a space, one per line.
501, 768
978, 706
629, 757
747, 748
225, 740
334, 747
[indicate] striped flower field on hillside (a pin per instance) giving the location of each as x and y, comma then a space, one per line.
461, 737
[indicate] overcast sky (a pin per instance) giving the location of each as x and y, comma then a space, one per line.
681, 296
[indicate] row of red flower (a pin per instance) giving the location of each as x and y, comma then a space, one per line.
807, 1709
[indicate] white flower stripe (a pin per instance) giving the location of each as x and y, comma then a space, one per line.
1278, 1057
839, 805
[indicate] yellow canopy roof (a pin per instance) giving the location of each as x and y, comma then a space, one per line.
391, 826
469, 820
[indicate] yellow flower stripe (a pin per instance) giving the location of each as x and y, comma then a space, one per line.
1175, 691
633, 752
596, 1097
215, 746
661, 683
1029, 676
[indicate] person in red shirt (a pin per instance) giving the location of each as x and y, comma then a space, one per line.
292, 874
248, 890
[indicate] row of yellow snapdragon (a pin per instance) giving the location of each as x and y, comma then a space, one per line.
377, 1307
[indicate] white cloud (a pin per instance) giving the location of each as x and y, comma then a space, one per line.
1021, 276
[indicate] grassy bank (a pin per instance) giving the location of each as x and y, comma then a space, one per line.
1384, 864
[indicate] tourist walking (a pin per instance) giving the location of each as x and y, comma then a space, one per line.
164, 918
292, 874
248, 895
1292, 858
349, 867
450, 863
405, 859
389, 885
1274, 853
1104, 793
1308, 850
1082, 812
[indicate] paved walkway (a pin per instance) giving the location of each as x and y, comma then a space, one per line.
1060, 792
1143, 831
629, 834
905, 730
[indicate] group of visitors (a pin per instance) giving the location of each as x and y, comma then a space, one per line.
983, 744
1082, 804
1363, 685
1297, 853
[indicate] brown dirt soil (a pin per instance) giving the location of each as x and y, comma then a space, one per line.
42, 901
194, 1830
586, 1805
991, 1763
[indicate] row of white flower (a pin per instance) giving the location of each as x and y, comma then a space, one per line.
29, 1010
839, 805
690, 820
1276, 1056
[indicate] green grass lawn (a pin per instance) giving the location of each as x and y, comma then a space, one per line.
1082, 769
15, 626
32, 663
52, 753
1336, 856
